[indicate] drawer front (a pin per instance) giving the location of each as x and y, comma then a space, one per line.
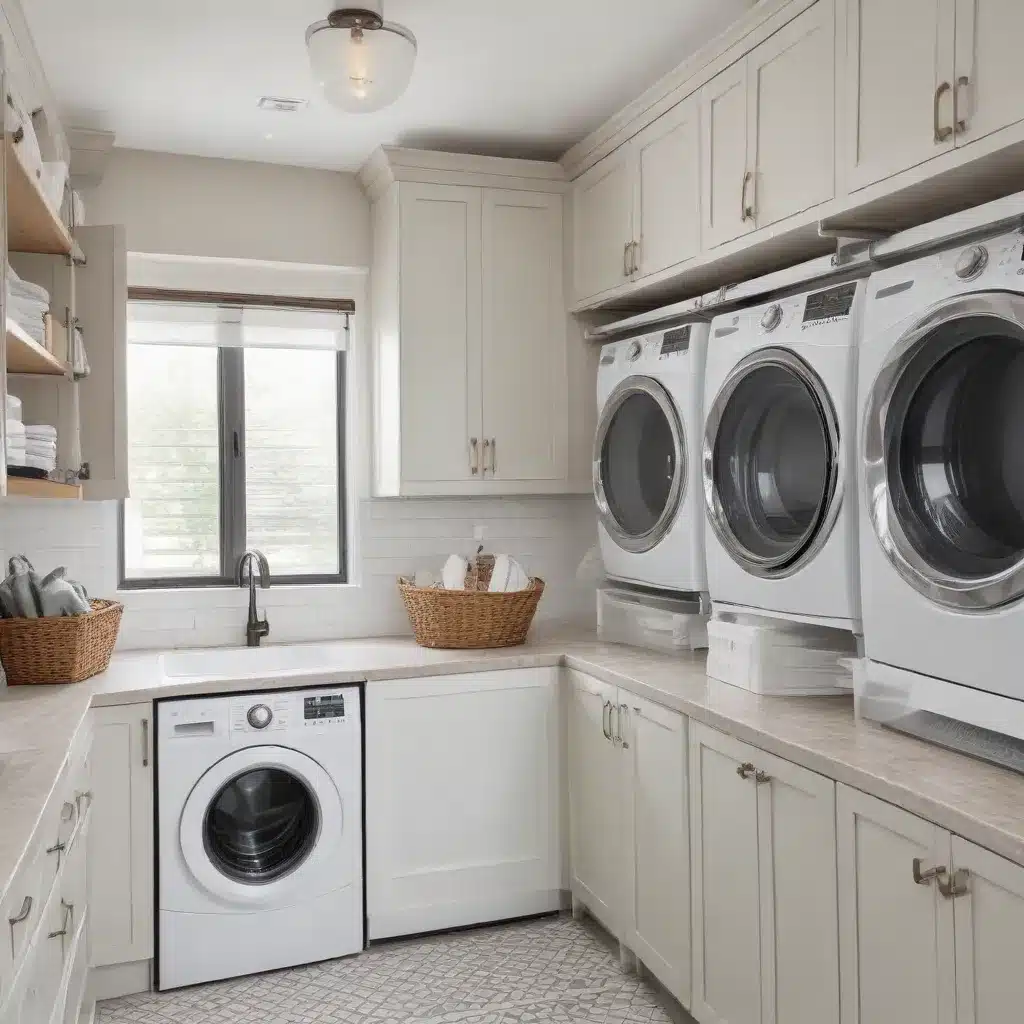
19, 916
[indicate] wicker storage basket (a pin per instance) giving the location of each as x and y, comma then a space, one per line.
470, 619
59, 649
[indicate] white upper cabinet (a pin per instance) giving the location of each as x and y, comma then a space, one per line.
666, 192
602, 225
726, 204
525, 428
987, 67
769, 129
791, 116
899, 78
470, 333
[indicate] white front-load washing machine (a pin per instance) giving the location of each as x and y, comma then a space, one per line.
779, 457
647, 458
260, 832
942, 477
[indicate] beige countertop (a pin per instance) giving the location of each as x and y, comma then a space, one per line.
983, 803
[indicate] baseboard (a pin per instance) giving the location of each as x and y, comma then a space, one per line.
119, 980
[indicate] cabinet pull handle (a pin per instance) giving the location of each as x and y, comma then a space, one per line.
746, 212
761, 777
606, 720
955, 885
745, 770
625, 259
145, 743
487, 449
26, 909
925, 877
56, 848
474, 456
634, 258
941, 134
623, 708
494, 455
961, 122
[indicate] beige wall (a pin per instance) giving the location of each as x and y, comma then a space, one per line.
196, 206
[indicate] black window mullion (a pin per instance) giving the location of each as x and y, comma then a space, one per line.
231, 369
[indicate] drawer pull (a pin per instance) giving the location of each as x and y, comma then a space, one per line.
56, 848
761, 777
925, 877
69, 919
745, 770
26, 909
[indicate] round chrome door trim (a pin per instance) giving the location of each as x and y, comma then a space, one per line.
820, 529
637, 544
975, 594
323, 859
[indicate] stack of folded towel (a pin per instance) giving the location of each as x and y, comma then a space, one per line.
27, 304
15, 433
41, 447
27, 595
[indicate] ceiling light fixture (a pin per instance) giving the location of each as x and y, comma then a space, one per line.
362, 62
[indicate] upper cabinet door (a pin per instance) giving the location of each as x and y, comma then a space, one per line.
791, 116
660, 827
602, 225
666, 210
724, 868
440, 268
101, 291
988, 92
796, 826
727, 203
899, 86
525, 423
989, 922
895, 933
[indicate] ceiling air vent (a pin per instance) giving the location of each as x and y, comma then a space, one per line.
281, 104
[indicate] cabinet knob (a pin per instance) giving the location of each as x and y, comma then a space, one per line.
745, 770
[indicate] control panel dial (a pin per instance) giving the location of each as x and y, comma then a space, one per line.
259, 716
971, 262
772, 317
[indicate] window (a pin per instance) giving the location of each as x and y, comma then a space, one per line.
235, 440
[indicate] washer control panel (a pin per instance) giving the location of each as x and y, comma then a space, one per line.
325, 708
269, 712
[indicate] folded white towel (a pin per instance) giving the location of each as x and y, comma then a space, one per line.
29, 289
14, 408
15, 428
41, 451
48, 465
43, 430
15, 457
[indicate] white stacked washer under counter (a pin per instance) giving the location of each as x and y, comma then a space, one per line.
786, 763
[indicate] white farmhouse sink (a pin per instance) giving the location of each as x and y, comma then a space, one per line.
252, 662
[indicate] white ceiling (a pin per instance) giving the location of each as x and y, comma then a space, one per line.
522, 78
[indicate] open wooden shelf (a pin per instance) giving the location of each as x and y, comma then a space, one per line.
32, 226
23, 487
25, 355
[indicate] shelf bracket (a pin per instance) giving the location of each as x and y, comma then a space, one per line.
853, 244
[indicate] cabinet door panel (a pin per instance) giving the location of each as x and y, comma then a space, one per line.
602, 225
796, 823
988, 35
667, 205
897, 56
440, 329
723, 119
726, 918
121, 836
989, 922
660, 934
595, 800
462, 800
791, 116
895, 936
524, 374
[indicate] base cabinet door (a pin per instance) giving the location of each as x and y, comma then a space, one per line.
796, 824
895, 927
595, 802
655, 742
988, 915
121, 836
463, 799
726, 899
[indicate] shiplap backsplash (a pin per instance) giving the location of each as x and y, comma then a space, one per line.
549, 536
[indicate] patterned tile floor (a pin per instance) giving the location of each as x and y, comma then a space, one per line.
532, 972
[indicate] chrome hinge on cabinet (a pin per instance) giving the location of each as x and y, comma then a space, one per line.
954, 885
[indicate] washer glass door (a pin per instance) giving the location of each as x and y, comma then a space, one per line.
771, 473
639, 464
944, 453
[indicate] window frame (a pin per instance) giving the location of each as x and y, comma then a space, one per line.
231, 429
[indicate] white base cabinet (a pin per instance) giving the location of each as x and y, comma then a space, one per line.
463, 800
121, 858
765, 917
930, 924
629, 824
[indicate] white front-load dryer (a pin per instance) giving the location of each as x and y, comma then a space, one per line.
647, 458
779, 457
260, 832
942, 478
